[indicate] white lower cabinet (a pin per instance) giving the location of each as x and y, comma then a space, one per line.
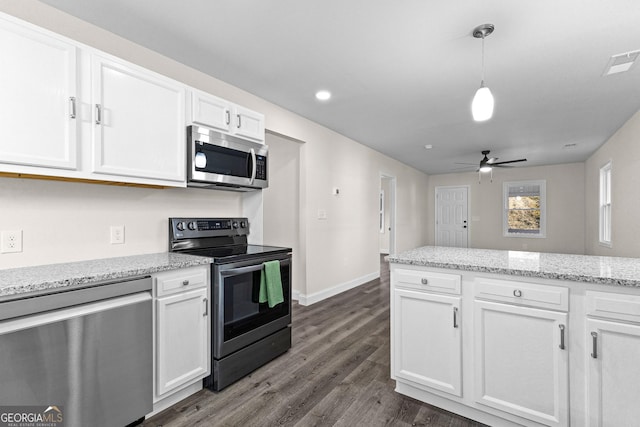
489, 349
613, 352
521, 361
182, 325
428, 340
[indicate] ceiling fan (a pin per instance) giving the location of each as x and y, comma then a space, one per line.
488, 163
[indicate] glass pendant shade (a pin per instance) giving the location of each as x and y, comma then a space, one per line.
482, 105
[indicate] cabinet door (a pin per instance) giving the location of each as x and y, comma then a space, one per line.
38, 83
249, 124
520, 367
427, 345
614, 373
211, 111
139, 122
181, 339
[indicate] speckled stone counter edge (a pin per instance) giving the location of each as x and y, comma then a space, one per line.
54, 277
576, 268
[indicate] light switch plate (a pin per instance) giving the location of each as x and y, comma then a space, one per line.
117, 234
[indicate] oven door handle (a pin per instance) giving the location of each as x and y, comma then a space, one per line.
249, 269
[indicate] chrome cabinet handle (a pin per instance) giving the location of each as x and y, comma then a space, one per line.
185, 282
424, 281
228, 116
517, 293
72, 107
98, 114
594, 338
206, 307
455, 317
561, 336
239, 121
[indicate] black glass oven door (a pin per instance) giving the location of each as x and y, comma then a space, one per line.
241, 318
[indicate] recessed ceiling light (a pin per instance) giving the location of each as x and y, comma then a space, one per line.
428, 147
323, 95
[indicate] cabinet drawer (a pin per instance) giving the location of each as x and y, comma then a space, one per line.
181, 280
529, 294
428, 281
613, 306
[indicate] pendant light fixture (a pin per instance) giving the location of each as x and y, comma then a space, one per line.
482, 104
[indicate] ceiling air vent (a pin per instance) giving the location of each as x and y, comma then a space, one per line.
621, 62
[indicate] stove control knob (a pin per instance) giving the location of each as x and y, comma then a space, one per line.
243, 224
193, 225
180, 226
234, 224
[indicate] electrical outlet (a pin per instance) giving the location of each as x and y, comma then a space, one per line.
117, 234
11, 241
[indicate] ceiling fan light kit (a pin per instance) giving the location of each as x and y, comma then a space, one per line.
482, 104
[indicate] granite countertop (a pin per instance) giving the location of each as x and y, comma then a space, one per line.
580, 268
53, 277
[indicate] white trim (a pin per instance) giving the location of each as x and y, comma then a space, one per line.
335, 290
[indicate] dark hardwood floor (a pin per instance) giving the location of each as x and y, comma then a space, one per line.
335, 374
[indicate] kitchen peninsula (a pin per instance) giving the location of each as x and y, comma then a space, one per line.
517, 338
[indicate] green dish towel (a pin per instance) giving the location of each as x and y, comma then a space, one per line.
271, 284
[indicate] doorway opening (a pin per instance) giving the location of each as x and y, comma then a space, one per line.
387, 214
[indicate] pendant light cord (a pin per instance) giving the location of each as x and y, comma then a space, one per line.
482, 84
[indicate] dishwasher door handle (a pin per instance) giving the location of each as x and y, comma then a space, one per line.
33, 321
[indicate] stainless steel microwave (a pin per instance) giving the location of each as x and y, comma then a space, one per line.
217, 160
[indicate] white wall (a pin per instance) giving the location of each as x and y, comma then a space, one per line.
623, 150
338, 252
68, 221
565, 208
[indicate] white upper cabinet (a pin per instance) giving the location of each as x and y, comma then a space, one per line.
225, 116
249, 124
38, 96
138, 122
209, 110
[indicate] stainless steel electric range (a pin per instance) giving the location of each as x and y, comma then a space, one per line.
246, 334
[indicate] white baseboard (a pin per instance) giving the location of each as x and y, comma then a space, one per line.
335, 290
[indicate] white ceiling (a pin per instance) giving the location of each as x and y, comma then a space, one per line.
403, 72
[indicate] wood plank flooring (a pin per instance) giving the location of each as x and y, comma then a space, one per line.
335, 374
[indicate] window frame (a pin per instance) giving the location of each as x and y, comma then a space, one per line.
605, 220
543, 209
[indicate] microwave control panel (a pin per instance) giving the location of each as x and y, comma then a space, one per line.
261, 167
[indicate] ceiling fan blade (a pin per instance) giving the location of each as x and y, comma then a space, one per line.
509, 161
492, 160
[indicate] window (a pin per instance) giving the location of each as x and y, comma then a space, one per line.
524, 209
605, 205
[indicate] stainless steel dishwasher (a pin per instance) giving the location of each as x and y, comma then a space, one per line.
87, 351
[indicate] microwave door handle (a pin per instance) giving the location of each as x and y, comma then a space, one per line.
253, 166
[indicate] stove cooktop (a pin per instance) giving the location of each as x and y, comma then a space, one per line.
226, 254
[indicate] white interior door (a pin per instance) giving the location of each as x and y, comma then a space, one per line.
452, 227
